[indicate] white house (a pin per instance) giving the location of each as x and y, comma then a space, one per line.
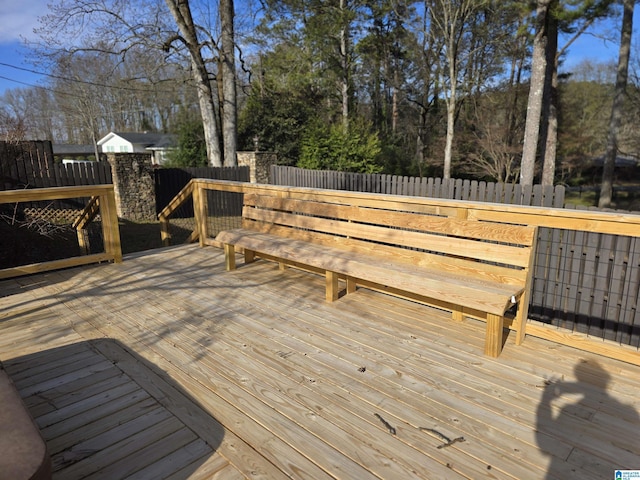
157, 144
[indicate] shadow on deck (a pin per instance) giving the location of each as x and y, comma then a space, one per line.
107, 413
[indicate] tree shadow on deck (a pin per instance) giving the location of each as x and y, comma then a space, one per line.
583, 427
165, 292
104, 410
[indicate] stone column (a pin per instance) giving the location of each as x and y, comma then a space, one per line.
134, 185
259, 164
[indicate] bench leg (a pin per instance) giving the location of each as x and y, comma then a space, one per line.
249, 256
520, 322
493, 339
332, 286
351, 285
229, 257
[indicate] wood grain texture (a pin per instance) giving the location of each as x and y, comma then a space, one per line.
281, 384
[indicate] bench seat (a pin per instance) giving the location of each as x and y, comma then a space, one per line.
474, 268
493, 298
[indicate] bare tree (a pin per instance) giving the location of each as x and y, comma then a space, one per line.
606, 189
181, 12
227, 62
116, 28
450, 20
536, 92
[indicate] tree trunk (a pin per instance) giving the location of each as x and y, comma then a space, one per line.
536, 91
549, 141
606, 189
229, 104
451, 121
394, 102
344, 59
182, 14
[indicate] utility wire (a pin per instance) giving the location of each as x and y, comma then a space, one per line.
60, 92
66, 79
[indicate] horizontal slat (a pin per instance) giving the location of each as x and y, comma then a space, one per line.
55, 265
500, 232
53, 193
600, 222
492, 252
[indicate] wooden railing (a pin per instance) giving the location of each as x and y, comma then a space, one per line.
555, 222
102, 202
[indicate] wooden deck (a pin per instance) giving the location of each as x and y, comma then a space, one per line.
166, 366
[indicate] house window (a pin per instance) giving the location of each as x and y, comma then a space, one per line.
124, 149
111, 148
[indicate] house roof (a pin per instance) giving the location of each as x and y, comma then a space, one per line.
620, 161
70, 149
144, 139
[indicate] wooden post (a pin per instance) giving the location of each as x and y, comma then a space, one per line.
110, 228
200, 212
493, 339
332, 286
522, 313
165, 236
351, 285
229, 257
80, 223
83, 240
249, 256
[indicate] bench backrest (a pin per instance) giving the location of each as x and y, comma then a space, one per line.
486, 250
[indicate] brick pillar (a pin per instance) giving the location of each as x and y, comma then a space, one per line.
134, 185
259, 164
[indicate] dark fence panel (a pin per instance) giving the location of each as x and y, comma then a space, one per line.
30, 165
584, 282
588, 283
22, 163
169, 182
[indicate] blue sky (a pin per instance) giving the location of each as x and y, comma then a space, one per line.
19, 18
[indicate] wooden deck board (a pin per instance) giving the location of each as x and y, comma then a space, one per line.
250, 374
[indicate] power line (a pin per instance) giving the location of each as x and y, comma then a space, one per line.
40, 87
73, 80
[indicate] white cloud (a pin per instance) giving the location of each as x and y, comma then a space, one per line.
19, 18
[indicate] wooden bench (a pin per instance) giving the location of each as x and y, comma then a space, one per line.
479, 269
24, 453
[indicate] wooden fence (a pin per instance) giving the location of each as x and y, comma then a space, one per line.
450, 189
31, 165
585, 281
21, 162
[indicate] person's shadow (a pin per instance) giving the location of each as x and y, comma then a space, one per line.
582, 428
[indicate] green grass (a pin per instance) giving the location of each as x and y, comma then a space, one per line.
584, 199
623, 200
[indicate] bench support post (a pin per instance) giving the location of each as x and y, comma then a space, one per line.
493, 338
332, 286
457, 315
249, 256
229, 257
351, 285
